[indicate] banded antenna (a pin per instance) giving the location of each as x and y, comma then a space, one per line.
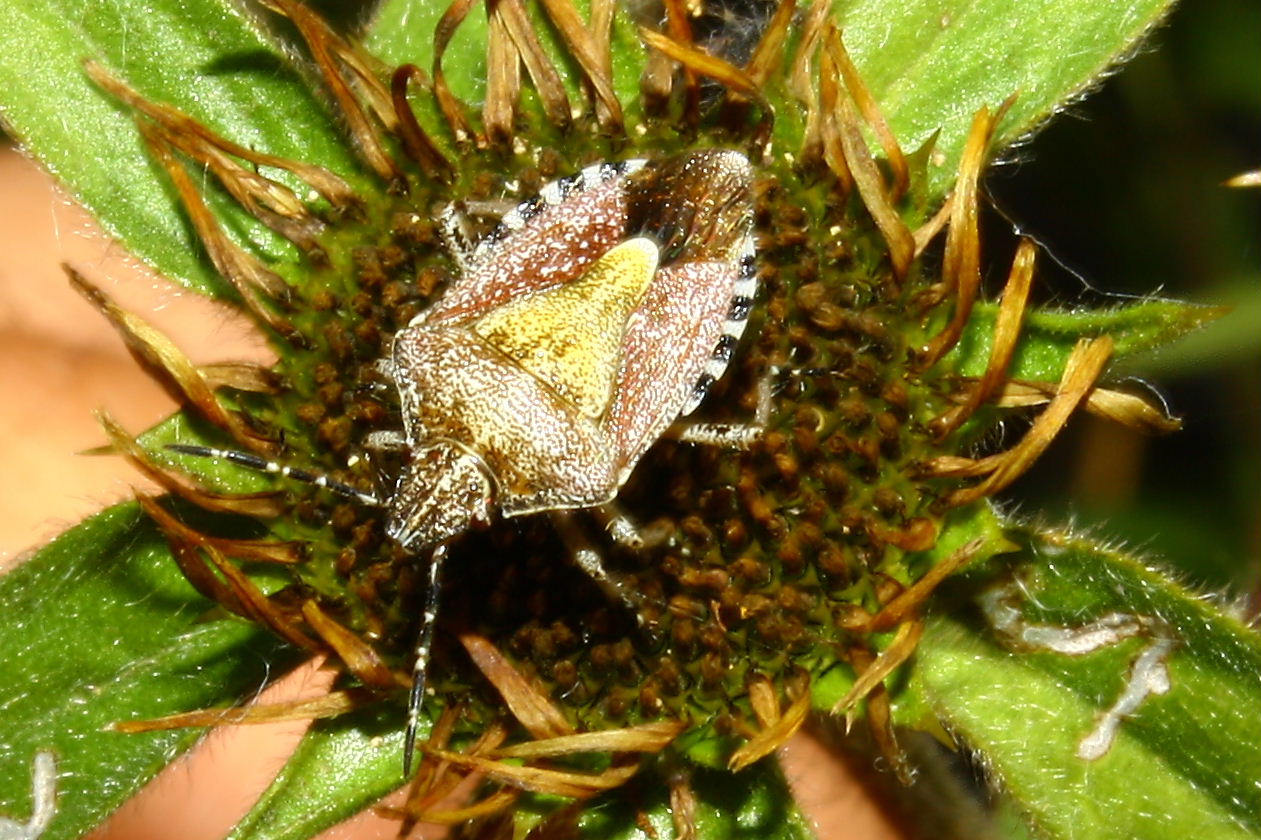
424, 642
254, 462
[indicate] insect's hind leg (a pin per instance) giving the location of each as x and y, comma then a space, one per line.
616, 587
588, 558
625, 531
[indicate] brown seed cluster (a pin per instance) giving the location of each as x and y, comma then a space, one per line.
768, 554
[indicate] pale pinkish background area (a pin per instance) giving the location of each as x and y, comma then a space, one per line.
59, 362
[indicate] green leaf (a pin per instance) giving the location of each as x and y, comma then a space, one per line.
932, 63
202, 56
1048, 336
754, 803
1234, 340
205, 57
402, 33
346, 764
341, 767
100, 627
1181, 764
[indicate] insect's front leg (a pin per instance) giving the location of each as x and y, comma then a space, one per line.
627, 533
724, 435
455, 223
452, 227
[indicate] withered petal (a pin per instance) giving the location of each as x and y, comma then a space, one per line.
528, 703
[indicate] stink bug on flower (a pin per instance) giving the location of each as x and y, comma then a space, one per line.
580, 329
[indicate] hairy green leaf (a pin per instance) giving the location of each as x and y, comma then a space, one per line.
1048, 336
1179, 763
207, 58
931, 65
346, 764
101, 627
341, 767
202, 56
402, 33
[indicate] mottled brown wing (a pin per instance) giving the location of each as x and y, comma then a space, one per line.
669, 344
544, 242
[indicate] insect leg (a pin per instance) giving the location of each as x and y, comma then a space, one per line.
451, 227
725, 435
385, 440
424, 644
587, 558
625, 531
733, 435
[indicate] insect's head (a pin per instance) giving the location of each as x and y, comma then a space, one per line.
444, 490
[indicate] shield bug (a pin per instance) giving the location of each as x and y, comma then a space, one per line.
582, 327
586, 323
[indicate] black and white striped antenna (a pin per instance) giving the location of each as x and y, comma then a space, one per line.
424, 641
254, 462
